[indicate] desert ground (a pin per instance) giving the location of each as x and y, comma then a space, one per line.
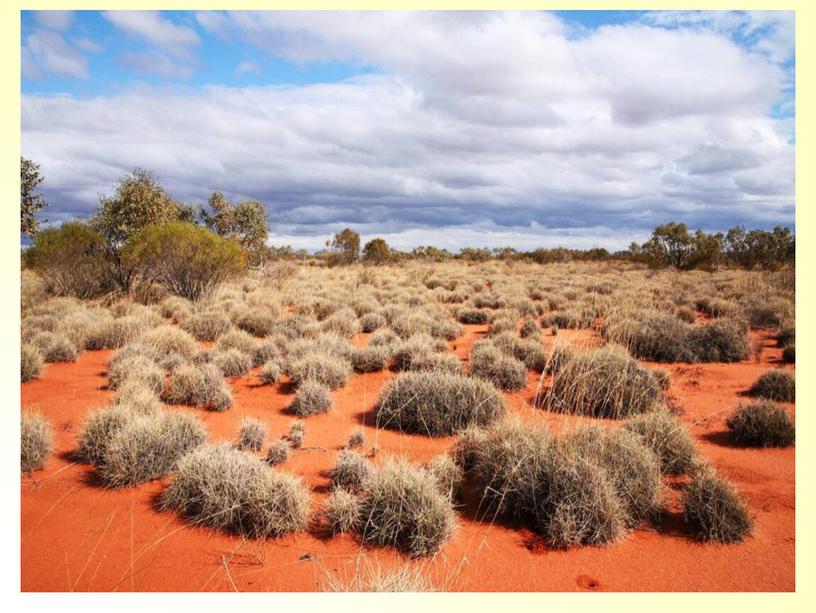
80, 531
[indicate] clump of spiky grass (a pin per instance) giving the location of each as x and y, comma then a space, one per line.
331, 371
447, 474
664, 434
488, 362
232, 362
226, 489
137, 367
761, 424
36, 442
438, 403
311, 398
296, 433
251, 434
383, 337
604, 382
277, 453
342, 511
357, 439
236, 339
529, 328
207, 326
60, 349
98, 430
632, 468
370, 358
256, 322
270, 372
473, 316
530, 351
776, 385
715, 509
663, 377
138, 396
401, 506
165, 340
201, 386
375, 578
351, 470
415, 351
31, 362
372, 321
145, 447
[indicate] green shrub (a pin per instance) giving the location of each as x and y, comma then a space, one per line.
311, 398
188, 260
761, 424
36, 442
225, 489
664, 434
401, 506
438, 403
605, 382
715, 509
31, 362
73, 260
776, 385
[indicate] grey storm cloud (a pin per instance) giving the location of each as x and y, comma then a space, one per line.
487, 128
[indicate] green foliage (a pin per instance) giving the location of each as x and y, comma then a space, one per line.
187, 259
73, 260
347, 245
376, 251
30, 202
245, 221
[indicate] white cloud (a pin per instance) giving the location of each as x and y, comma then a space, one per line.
245, 68
478, 128
156, 29
56, 20
47, 52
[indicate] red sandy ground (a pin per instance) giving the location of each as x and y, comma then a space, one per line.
79, 536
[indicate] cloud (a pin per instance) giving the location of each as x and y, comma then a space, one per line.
245, 68
47, 52
55, 20
154, 28
86, 44
553, 139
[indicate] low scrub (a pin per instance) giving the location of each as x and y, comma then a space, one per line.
201, 386
776, 385
342, 511
277, 453
31, 362
488, 362
605, 382
36, 442
371, 358
206, 326
251, 434
330, 371
714, 508
668, 438
223, 488
232, 362
401, 506
437, 403
473, 316
762, 424
146, 447
351, 471
270, 373
311, 398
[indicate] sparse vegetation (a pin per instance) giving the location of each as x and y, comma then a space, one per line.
36, 442
436, 403
351, 471
761, 424
251, 434
312, 398
715, 509
778, 385
226, 489
277, 453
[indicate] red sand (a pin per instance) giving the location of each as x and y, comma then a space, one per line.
78, 536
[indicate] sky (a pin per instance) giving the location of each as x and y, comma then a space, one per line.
527, 129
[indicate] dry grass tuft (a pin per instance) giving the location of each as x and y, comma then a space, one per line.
226, 489
436, 403
36, 442
201, 386
668, 438
351, 471
312, 398
715, 509
251, 434
762, 424
31, 362
776, 385
278, 453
